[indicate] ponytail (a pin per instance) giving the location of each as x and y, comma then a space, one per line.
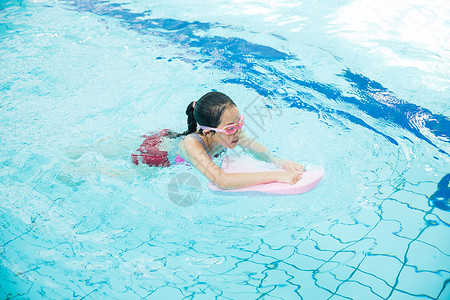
192, 124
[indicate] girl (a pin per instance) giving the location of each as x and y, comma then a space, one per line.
220, 127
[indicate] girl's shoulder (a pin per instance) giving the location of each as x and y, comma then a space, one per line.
193, 140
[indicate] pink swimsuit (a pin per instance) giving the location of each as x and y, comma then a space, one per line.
150, 154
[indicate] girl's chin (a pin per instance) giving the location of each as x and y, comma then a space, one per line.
233, 144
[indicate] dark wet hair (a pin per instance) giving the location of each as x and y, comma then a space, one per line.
207, 112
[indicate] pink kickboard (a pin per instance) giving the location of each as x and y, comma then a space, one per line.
310, 179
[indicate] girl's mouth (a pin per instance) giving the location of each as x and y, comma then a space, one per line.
235, 141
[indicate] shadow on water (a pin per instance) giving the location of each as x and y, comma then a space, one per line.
441, 198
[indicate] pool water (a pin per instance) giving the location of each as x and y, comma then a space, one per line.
358, 87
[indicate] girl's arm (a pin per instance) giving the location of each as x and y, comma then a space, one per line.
201, 160
262, 153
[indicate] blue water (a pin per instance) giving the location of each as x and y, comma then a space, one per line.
357, 87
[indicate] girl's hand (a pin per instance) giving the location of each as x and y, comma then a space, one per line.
289, 165
291, 177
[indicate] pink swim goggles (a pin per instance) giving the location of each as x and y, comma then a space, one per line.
229, 129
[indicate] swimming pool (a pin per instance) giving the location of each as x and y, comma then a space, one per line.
359, 88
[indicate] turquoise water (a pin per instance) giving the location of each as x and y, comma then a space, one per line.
357, 87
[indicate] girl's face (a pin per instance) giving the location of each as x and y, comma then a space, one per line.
231, 115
